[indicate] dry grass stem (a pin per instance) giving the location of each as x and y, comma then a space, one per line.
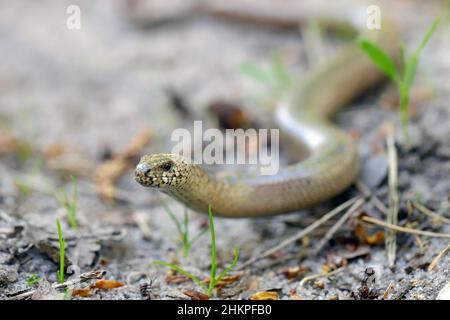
392, 217
404, 229
301, 233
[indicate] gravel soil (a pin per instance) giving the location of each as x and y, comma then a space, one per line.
77, 98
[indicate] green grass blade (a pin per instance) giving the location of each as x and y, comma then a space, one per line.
213, 247
379, 58
186, 226
61, 252
255, 72
280, 74
183, 272
411, 65
231, 266
172, 216
34, 278
428, 35
402, 56
410, 73
197, 236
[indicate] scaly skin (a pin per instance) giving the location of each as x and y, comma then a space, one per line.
331, 166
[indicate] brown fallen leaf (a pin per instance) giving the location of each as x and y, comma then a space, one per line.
176, 278
230, 115
109, 172
226, 280
333, 263
10, 144
195, 295
104, 284
54, 150
293, 272
370, 239
82, 292
265, 295
319, 284
253, 283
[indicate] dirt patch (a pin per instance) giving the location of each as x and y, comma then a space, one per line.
73, 100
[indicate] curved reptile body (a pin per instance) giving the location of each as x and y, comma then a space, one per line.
303, 117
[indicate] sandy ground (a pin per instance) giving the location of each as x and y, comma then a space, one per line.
92, 90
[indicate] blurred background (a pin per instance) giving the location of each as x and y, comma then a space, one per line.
88, 102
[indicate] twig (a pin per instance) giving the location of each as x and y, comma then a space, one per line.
338, 225
420, 242
319, 275
404, 229
388, 290
438, 258
96, 274
301, 233
373, 198
392, 217
429, 213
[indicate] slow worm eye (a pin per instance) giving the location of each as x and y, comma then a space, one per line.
167, 166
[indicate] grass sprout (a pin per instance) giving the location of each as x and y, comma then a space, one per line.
61, 252
183, 228
275, 76
70, 205
31, 280
403, 77
214, 279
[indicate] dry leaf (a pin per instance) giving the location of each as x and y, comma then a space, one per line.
293, 272
176, 278
11, 144
254, 283
319, 284
107, 174
265, 295
373, 239
195, 295
229, 115
107, 284
82, 292
226, 280
54, 150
